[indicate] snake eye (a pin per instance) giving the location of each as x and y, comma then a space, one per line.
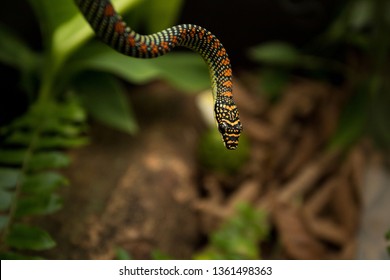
222, 127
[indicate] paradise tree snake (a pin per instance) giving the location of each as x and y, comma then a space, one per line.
112, 30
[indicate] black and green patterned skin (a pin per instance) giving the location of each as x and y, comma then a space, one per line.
112, 30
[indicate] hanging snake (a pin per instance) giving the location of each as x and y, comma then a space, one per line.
112, 30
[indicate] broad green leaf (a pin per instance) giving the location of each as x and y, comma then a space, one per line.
9, 177
30, 238
102, 58
43, 182
160, 14
276, 53
13, 156
48, 160
38, 205
74, 31
185, 71
104, 99
5, 199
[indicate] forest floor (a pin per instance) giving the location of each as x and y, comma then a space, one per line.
147, 192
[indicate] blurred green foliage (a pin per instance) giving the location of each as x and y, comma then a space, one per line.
239, 238
215, 157
31, 149
359, 31
71, 78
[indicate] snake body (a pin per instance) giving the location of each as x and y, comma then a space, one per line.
112, 30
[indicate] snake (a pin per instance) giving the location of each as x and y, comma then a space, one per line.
110, 28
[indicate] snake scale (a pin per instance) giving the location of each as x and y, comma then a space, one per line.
112, 30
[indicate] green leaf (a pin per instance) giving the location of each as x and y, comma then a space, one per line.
38, 205
105, 100
9, 177
5, 199
30, 238
159, 15
276, 53
185, 71
71, 30
46, 160
102, 58
49, 142
20, 138
71, 111
10, 156
65, 128
239, 237
122, 254
43, 182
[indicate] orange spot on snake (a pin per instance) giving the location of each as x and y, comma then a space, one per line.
227, 72
120, 27
174, 39
228, 94
154, 48
131, 41
201, 34
228, 84
225, 61
193, 32
164, 45
109, 10
221, 52
143, 48
183, 33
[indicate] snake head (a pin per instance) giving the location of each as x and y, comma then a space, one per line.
229, 125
